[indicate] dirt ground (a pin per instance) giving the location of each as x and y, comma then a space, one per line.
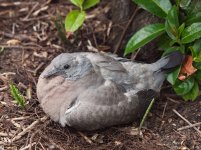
31, 25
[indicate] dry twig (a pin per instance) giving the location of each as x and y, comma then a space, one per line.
28, 128
189, 126
177, 113
85, 137
125, 29
28, 146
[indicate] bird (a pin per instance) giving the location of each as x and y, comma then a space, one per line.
89, 91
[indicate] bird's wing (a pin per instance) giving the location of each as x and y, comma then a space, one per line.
105, 62
109, 68
103, 106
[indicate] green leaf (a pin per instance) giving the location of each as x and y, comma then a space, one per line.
172, 77
159, 8
193, 18
144, 36
77, 3
194, 7
172, 23
74, 20
198, 75
89, 3
170, 50
17, 95
191, 33
184, 3
193, 93
181, 29
184, 87
196, 51
164, 42
197, 65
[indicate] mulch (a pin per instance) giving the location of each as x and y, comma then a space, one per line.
28, 42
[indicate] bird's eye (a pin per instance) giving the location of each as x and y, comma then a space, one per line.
66, 66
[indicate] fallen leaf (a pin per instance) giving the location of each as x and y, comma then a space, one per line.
13, 42
187, 68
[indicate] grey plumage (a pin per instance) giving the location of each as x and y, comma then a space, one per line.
89, 91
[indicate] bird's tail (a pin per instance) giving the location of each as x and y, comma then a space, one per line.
169, 62
164, 65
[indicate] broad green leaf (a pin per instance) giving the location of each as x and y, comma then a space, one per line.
89, 3
191, 33
74, 20
78, 3
197, 65
172, 23
159, 8
181, 29
144, 36
196, 51
184, 87
198, 75
169, 31
172, 77
164, 42
193, 18
194, 7
193, 93
172, 17
184, 3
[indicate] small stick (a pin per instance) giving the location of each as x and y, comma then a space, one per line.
85, 137
28, 146
134, 54
42, 146
125, 29
5, 134
19, 47
28, 128
172, 100
3, 88
187, 121
52, 142
164, 110
19, 118
17, 125
190, 126
39, 66
36, 18
31, 11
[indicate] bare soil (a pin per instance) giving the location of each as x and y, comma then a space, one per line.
31, 23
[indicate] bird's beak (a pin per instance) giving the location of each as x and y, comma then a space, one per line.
49, 72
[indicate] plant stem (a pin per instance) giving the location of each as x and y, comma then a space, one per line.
146, 113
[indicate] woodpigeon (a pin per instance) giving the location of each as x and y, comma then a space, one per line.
89, 91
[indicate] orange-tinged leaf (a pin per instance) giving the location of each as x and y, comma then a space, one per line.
187, 68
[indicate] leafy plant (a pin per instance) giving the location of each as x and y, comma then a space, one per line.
75, 19
181, 31
17, 96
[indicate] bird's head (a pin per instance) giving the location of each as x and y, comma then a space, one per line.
70, 66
